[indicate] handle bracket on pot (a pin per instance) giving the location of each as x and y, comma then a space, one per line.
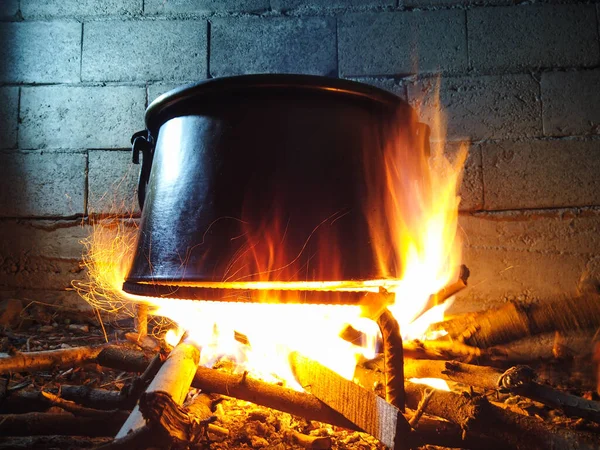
142, 142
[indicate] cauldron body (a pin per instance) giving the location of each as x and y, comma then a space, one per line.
260, 179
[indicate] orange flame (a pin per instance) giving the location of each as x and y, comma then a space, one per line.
412, 214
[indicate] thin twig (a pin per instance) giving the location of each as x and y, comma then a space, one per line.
414, 420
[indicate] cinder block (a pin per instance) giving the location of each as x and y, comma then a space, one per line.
447, 3
39, 276
77, 8
476, 108
262, 45
499, 275
50, 239
532, 36
571, 102
203, 6
9, 9
395, 43
541, 174
387, 84
9, 111
144, 50
40, 52
471, 188
157, 89
112, 183
573, 231
284, 5
66, 297
42, 184
80, 117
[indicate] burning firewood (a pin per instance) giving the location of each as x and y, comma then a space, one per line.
363, 408
394, 359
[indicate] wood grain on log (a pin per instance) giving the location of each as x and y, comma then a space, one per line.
173, 378
517, 320
50, 359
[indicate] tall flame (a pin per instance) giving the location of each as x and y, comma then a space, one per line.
412, 214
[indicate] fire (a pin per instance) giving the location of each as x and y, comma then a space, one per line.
412, 214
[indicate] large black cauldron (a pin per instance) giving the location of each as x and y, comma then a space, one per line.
260, 178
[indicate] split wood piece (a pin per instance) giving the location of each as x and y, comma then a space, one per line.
184, 426
365, 409
31, 424
50, 359
50, 442
393, 358
269, 395
516, 320
173, 378
449, 290
477, 415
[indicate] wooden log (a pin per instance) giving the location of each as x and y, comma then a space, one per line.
520, 380
173, 378
439, 432
50, 359
477, 415
393, 359
78, 410
517, 320
184, 426
31, 424
269, 395
51, 442
121, 357
478, 376
30, 401
141, 319
489, 378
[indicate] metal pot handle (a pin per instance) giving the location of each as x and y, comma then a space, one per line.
142, 141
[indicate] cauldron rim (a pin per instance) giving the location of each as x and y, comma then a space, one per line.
174, 102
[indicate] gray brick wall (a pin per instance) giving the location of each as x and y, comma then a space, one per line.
520, 83
532, 36
402, 43
256, 45
118, 50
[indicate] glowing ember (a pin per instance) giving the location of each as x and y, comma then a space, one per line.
412, 216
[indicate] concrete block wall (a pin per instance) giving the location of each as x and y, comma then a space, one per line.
519, 83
